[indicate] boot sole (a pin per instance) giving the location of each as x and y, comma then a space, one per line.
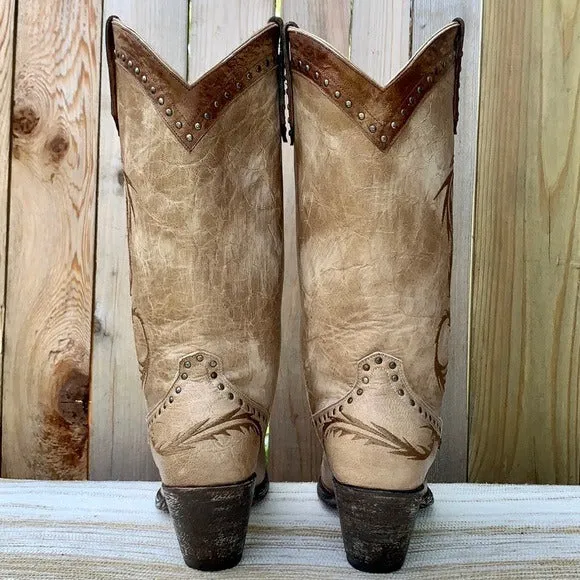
376, 524
211, 522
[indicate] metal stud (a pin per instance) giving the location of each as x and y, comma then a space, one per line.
137, 70
372, 128
189, 137
259, 68
361, 116
171, 399
326, 82
395, 125
206, 116
123, 57
267, 62
392, 365
213, 375
169, 112
379, 360
221, 387
153, 90
186, 364
365, 380
349, 400
183, 376
419, 90
412, 402
384, 139
213, 363
400, 392
404, 112
341, 408
337, 94
348, 104
144, 79
307, 67
366, 367
227, 95
429, 79
411, 100
199, 357
230, 396
316, 75
300, 63
179, 124
178, 390
249, 75
395, 378
216, 104
238, 86
160, 100
359, 391
130, 63
159, 412
197, 126
115, 52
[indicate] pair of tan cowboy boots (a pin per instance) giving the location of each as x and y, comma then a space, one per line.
203, 180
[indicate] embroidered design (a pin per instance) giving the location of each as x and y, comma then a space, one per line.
439, 366
141, 345
373, 434
200, 375
381, 374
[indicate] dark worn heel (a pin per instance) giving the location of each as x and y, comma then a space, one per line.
211, 522
377, 525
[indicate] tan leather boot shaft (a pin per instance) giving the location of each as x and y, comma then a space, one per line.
202, 167
374, 173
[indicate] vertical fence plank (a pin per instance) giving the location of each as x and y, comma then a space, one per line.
381, 42
6, 69
295, 451
428, 17
119, 447
525, 399
220, 26
50, 254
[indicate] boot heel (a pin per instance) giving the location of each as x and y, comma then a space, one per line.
377, 525
211, 522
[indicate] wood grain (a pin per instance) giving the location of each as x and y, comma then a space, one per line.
220, 26
119, 447
6, 85
428, 17
525, 396
50, 254
381, 42
295, 452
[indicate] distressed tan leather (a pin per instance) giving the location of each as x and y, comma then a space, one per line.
374, 174
202, 168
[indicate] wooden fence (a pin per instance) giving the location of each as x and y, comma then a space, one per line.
71, 400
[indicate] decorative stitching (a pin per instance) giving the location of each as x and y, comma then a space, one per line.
337, 420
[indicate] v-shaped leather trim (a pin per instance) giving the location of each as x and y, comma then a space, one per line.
190, 110
380, 111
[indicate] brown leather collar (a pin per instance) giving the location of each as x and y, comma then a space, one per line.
380, 112
190, 110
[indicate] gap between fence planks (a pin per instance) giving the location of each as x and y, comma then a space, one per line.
119, 446
6, 85
428, 17
50, 252
525, 401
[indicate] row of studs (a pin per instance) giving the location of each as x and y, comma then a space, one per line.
132, 67
365, 379
184, 376
408, 104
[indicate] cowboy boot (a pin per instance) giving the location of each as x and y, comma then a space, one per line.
203, 184
374, 173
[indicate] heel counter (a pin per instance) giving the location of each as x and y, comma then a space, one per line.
382, 434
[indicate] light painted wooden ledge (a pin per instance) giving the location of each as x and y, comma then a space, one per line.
111, 530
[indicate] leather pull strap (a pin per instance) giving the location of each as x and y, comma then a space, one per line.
289, 89
110, 48
458, 57
281, 76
